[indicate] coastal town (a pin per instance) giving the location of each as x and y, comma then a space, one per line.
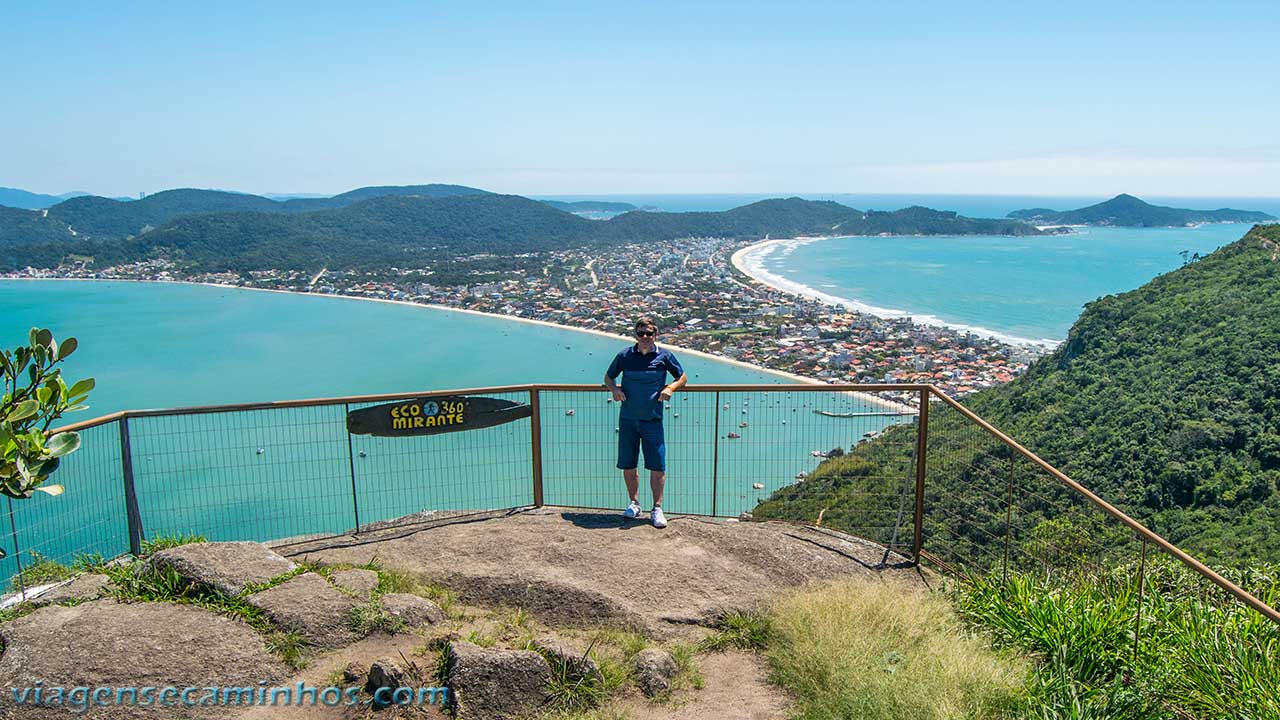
691, 286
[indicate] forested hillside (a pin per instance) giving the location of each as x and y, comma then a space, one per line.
1129, 211
1164, 400
412, 229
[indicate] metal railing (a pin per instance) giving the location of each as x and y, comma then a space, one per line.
964, 497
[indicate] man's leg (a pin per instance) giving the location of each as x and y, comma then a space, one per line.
628, 454
632, 479
657, 481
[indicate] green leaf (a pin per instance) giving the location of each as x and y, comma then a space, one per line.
80, 388
25, 409
63, 444
67, 347
41, 337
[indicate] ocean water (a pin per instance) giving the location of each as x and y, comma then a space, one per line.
284, 472
1015, 288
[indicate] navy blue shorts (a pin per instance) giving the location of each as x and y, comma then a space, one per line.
634, 434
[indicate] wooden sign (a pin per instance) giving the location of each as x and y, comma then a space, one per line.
434, 415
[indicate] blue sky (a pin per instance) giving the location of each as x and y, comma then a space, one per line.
1158, 98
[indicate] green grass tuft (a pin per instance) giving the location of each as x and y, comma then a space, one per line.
164, 542
39, 570
1201, 654
876, 651
745, 630
371, 617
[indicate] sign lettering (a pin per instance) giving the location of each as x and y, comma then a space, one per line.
431, 416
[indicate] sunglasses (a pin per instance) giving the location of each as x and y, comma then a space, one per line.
645, 333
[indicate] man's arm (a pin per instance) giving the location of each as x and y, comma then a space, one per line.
671, 389
615, 369
613, 388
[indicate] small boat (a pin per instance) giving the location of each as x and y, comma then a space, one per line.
744, 411
569, 411
784, 422
677, 415
734, 436
757, 486
725, 407
742, 424
261, 451
801, 476
608, 400
819, 453
363, 454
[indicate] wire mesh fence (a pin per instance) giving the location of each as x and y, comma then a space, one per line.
726, 450
89, 519
840, 456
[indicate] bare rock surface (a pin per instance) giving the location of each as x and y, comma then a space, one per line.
412, 610
582, 567
654, 668
359, 581
104, 643
89, 586
490, 684
228, 567
311, 606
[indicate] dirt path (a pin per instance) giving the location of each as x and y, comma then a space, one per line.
735, 690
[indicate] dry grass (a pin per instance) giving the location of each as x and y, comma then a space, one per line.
876, 651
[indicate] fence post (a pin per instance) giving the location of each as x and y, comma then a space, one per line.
922, 445
535, 437
1008, 518
351, 461
17, 551
715, 454
1137, 622
130, 493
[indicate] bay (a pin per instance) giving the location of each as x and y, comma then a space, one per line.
284, 472
1016, 288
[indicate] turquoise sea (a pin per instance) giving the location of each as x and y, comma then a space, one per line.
279, 473
1017, 288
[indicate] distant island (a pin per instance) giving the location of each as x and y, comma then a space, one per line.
592, 206
1129, 211
404, 226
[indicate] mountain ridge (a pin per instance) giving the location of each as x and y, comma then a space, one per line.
1125, 210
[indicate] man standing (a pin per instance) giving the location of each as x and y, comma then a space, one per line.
644, 368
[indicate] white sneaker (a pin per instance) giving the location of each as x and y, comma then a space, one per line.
659, 520
632, 512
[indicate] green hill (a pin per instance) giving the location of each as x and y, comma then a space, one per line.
1164, 400
1129, 211
409, 228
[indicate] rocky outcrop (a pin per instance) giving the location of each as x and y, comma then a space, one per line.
654, 670
490, 684
412, 610
104, 643
359, 582
228, 567
312, 607
89, 586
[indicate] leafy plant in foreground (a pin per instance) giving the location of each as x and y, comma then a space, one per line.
35, 395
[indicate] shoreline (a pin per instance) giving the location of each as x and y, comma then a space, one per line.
867, 397
749, 261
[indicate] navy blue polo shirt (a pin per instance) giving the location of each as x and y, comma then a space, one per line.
643, 377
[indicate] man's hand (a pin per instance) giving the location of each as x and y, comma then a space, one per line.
666, 394
619, 395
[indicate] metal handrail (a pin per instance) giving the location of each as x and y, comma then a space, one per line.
1147, 534
925, 392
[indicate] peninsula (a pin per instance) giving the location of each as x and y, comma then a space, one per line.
1128, 211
